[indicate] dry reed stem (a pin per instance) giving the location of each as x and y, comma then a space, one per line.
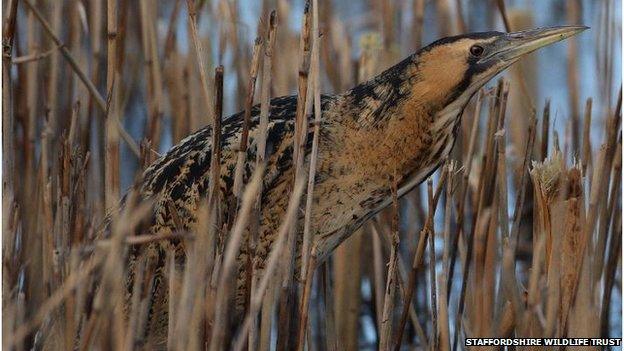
552, 208
571, 228
308, 262
461, 24
316, 91
152, 71
265, 92
530, 323
265, 95
229, 261
468, 162
8, 29
8, 117
521, 192
72, 281
98, 26
187, 333
55, 300
30, 193
173, 288
242, 158
443, 332
503, 12
251, 88
417, 23
68, 56
271, 265
401, 279
288, 321
586, 149
601, 181
333, 342
305, 300
445, 25
385, 333
501, 183
216, 229
545, 129
610, 272
302, 92
487, 265
418, 258
510, 288
378, 270
214, 197
199, 54
170, 38
35, 56
606, 214
386, 319
109, 298
503, 218
483, 197
111, 158
432, 274
445, 278
143, 239
573, 8
195, 286
133, 320
82, 76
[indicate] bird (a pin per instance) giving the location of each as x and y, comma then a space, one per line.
401, 123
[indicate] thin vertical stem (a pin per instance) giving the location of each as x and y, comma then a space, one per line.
111, 185
192, 13
315, 141
287, 315
586, 152
432, 274
260, 160
8, 117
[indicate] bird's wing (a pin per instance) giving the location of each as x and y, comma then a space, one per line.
181, 176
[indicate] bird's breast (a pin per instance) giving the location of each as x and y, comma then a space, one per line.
357, 170
358, 167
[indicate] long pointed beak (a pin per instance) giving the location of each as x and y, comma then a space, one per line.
517, 44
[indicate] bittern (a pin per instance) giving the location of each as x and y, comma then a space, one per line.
401, 123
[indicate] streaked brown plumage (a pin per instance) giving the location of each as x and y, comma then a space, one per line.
402, 122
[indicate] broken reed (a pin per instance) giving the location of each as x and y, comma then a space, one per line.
432, 266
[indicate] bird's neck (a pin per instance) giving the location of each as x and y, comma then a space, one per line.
392, 118
417, 86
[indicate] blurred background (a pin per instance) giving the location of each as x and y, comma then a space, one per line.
158, 100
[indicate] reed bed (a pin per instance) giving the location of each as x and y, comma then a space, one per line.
517, 235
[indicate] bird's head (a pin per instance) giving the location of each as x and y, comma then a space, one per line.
458, 66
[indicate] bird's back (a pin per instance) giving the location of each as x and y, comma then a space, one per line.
181, 177
178, 184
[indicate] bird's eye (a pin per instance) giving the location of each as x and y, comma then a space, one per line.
476, 50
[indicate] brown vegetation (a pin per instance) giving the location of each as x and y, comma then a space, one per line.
443, 263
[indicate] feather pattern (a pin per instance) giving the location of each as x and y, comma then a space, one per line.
396, 124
